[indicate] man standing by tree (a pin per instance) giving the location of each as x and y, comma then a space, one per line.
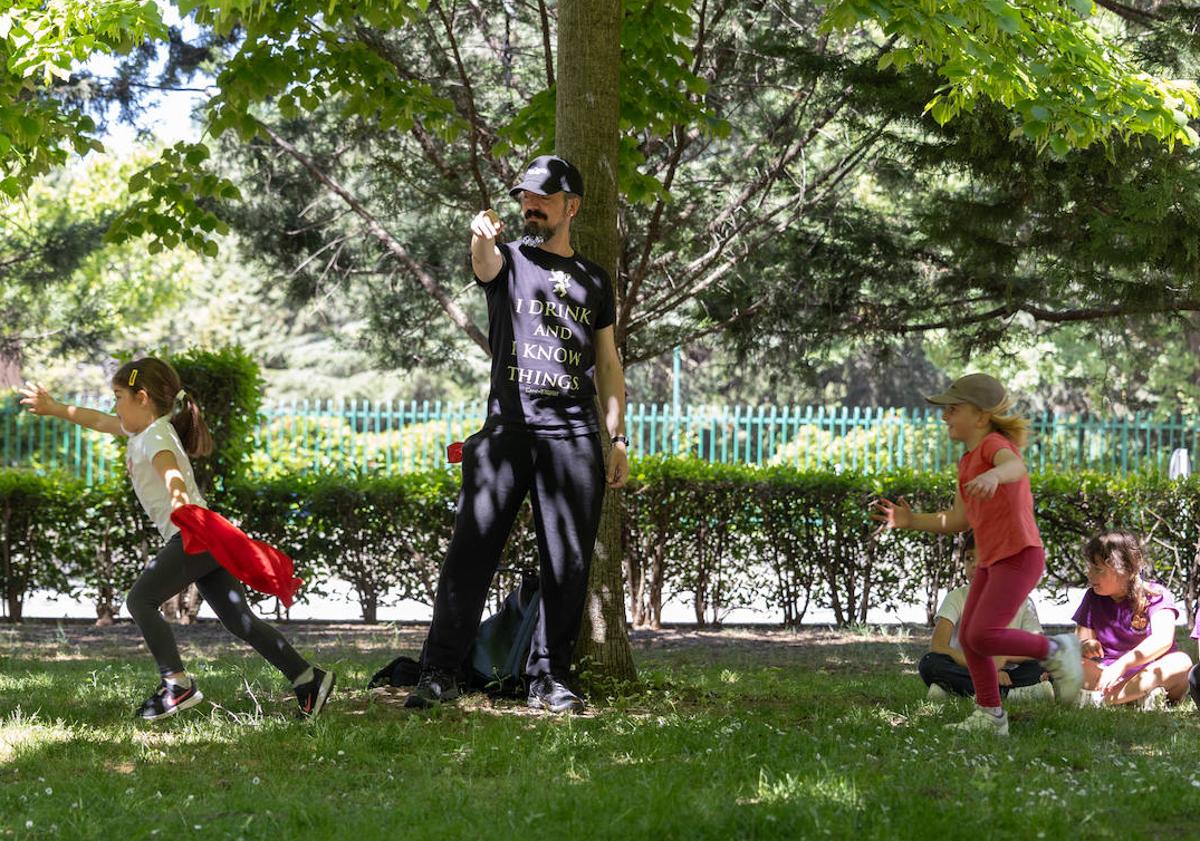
550, 328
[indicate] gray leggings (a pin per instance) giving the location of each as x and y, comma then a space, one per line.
170, 571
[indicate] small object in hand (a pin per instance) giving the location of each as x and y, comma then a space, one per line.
493, 215
454, 452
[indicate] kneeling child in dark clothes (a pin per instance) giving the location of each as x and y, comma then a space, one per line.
944, 668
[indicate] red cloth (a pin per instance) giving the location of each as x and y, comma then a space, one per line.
252, 562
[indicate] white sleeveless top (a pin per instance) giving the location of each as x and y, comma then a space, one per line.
148, 484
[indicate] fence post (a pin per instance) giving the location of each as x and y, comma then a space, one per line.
817, 426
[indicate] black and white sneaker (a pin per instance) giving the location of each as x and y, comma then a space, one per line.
434, 687
169, 700
312, 696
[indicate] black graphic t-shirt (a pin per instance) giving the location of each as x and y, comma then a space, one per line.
543, 314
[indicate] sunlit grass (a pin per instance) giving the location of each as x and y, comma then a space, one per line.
745, 739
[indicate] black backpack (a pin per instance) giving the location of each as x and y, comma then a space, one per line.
496, 661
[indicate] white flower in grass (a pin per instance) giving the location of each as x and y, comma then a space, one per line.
29, 824
255, 781
49, 790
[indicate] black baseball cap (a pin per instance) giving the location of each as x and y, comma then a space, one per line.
550, 174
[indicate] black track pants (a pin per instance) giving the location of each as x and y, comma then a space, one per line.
173, 569
567, 480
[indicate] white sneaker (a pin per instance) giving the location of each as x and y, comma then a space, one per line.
1156, 701
1066, 668
1040, 691
936, 693
1090, 698
982, 722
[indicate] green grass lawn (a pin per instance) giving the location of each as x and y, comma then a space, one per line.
735, 734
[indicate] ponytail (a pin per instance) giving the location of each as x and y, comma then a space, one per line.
1009, 424
189, 423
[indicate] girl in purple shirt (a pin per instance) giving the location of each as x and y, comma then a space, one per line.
1127, 628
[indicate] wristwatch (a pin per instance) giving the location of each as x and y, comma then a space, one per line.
620, 439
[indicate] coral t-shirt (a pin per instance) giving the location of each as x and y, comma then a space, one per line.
1004, 524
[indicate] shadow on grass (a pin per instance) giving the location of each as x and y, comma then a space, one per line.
733, 734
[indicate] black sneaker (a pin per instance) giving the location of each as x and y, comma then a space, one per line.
312, 696
169, 700
546, 692
434, 687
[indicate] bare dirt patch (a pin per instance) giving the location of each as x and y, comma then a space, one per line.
822, 648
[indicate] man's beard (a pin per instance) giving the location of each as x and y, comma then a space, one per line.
537, 231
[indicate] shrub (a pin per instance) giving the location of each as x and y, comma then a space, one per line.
719, 536
39, 535
227, 384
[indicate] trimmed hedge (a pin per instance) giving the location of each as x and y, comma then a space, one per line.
718, 537
229, 385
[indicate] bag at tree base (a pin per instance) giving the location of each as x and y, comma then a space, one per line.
496, 661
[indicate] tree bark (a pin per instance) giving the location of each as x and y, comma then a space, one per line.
587, 133
10, 366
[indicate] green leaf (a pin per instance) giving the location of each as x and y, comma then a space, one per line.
196, 154
1010, 23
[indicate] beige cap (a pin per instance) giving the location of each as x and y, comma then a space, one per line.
980, 390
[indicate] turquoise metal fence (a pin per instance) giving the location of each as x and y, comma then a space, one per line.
327, 435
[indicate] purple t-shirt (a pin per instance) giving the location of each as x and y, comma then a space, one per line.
1111, 620
543, 314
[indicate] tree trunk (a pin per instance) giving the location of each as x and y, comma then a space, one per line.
10, 366
657, 571
14, 597
184, 606
369, 602
587, 134
635, 577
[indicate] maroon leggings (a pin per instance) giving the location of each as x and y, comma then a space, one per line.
997, 593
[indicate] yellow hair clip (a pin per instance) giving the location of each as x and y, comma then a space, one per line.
132, 377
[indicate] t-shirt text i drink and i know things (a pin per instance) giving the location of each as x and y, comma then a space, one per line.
543, 314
